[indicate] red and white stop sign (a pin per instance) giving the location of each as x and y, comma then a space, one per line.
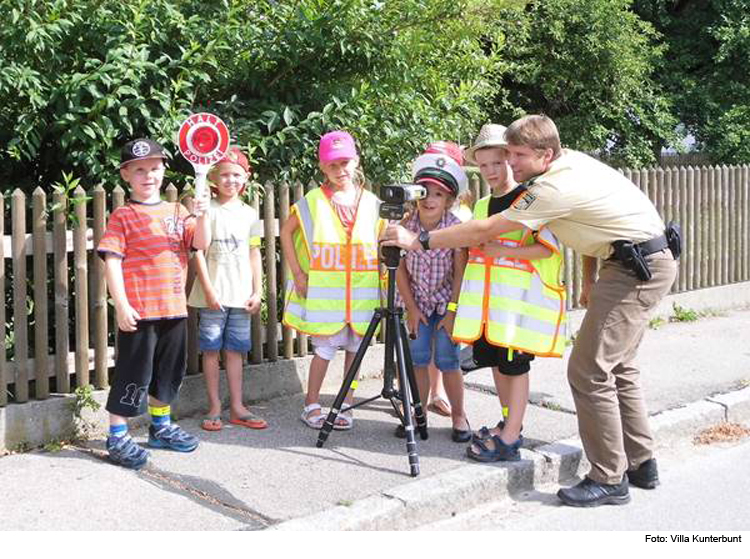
203, 139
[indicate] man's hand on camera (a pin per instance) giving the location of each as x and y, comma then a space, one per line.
395, 235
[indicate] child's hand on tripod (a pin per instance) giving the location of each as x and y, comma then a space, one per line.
413, 317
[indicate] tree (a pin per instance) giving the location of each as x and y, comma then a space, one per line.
79, 78
707, 70
591, 66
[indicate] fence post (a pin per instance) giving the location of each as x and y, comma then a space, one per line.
41, 343
81, 287
713, 226
745, 222
269, 225
738, 210
681, 216
21, 340
701, 206
100, 291
724, 231
62, 319
256, 354
3, 366
286, 333
193, 357
689, 216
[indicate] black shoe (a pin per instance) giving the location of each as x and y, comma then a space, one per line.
645, 476
590, 493
400, 432
461, 435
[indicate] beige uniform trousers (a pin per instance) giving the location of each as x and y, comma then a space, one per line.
603, 375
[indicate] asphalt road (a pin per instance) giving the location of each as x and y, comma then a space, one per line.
704, 488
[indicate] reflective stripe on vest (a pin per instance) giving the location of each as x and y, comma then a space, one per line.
516, 303
343, 280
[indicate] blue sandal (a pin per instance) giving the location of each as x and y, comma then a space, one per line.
501, 452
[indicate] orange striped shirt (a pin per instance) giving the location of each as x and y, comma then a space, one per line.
154, 242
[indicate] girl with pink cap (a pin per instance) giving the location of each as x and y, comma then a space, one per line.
330, 242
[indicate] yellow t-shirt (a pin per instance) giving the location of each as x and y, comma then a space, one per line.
235, 228
587, 205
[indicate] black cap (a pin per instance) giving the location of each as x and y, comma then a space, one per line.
140, 148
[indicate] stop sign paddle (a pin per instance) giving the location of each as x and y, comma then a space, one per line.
203, 141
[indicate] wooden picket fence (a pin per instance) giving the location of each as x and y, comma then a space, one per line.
77, 347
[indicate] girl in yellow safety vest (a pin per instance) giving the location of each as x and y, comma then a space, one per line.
330, 242
511, 309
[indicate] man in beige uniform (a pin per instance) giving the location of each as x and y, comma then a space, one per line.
588, 206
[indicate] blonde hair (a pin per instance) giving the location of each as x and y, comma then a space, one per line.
534, 131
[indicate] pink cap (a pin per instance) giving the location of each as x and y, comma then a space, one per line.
336, 145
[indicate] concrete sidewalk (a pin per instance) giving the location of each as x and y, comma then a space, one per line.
694, 374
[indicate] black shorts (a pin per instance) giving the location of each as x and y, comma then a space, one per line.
152, 360
488, 355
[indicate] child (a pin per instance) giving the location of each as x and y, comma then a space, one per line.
428, 283
145, 249
228, 289
499, 316
331, 244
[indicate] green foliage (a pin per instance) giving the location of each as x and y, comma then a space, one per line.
589, 65
682, 314
79, 78
707, 70
83, 400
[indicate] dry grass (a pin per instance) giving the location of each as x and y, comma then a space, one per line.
722, 433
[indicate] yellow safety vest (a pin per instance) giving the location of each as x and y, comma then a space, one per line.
343, 280
519, 304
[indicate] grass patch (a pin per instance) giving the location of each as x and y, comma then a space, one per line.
724, 432
656, 323
681, 314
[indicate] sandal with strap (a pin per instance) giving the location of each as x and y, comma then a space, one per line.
439, 406
345, 419
316, 421
500, 452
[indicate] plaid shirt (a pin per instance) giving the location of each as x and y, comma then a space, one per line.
430, 271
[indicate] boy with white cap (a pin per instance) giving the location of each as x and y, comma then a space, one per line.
428, 283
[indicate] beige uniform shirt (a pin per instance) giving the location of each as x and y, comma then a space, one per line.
587, 205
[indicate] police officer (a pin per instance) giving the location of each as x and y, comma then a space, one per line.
600, 214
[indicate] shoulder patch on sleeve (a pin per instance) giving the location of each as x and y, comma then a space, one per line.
524, 201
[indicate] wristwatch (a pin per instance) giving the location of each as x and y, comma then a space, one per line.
424, 240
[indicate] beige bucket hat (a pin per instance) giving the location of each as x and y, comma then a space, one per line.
491, 135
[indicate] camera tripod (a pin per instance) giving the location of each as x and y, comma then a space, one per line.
395, 343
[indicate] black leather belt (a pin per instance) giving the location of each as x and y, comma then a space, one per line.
654, 245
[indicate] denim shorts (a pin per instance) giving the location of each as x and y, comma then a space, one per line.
224, 329
433, 342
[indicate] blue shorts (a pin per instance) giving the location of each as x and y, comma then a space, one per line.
433, 342
228, 329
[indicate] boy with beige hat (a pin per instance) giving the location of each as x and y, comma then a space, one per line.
487, 314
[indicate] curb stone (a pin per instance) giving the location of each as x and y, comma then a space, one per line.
446, 494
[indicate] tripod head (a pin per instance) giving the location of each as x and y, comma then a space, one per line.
392, 207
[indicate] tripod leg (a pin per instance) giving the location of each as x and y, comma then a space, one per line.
325, 430
419, 411
407, 384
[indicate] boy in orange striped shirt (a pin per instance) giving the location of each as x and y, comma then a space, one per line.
146, 248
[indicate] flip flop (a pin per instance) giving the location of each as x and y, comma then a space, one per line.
440, 407
212, 423
250, 420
